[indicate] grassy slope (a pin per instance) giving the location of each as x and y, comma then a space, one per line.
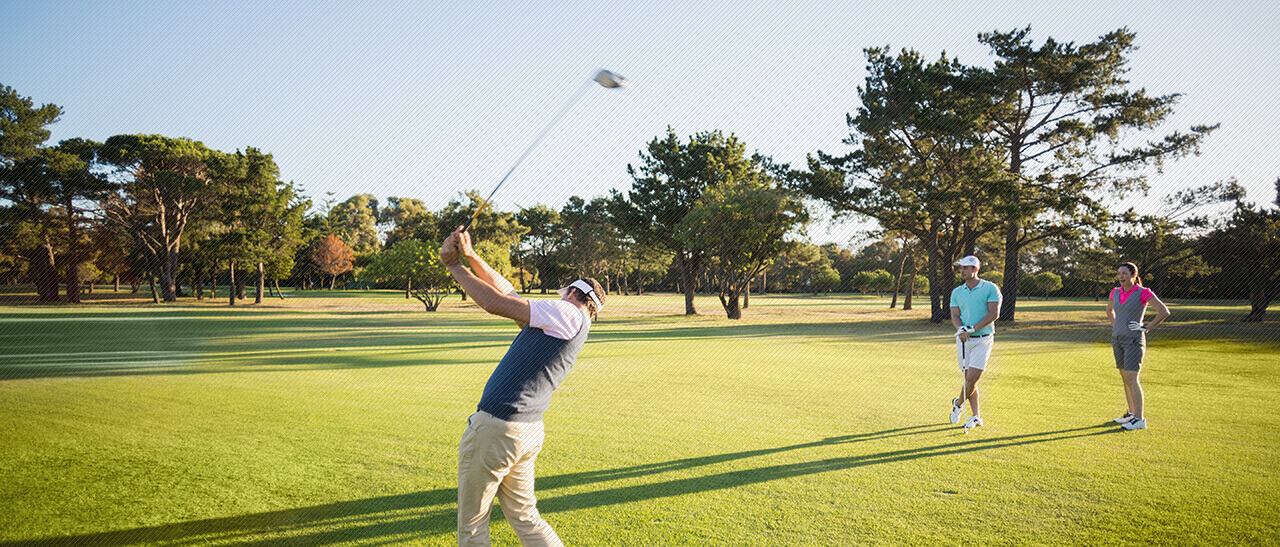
334, 419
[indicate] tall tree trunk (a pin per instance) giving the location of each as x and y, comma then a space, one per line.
746, 295
155, 294
911, 285
523, 290
240, 283
1009, 291
276, 282
764, 278
262, 284
231, 284
116, 281
169, 274
939, 283
408, 286
73, 257
44, 272
198, 288
730, 303
73, 281
688, 282
1259, 299
897, 281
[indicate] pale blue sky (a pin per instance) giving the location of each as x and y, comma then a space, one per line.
424, 99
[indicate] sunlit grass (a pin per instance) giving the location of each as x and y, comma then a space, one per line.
333, 418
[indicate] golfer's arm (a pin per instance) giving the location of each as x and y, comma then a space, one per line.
993, 311
489, 276
1162, 312
955, 317
1111, 312
488, 297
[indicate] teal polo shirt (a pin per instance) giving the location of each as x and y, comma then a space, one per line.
973, 303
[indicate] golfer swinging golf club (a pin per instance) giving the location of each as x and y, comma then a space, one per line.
975, 305
503, 437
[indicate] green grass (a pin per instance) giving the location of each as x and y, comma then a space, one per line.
333, 419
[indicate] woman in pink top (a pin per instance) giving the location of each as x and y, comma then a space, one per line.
1126, 308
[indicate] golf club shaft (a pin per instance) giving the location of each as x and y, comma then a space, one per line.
565, 109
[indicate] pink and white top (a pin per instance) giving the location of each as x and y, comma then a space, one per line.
1143, 296
557, 318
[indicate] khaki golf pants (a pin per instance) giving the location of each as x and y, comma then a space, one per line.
496, 457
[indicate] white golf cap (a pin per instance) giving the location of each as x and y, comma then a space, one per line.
968, 261
586, 289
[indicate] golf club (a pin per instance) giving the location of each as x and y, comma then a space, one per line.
604, 78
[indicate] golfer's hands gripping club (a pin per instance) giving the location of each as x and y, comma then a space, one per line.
464, 242
450, 253
963, 333
456, 247
1136, 326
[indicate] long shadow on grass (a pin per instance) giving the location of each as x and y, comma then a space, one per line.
406, 517
208, 342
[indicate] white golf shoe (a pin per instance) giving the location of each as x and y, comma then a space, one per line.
1134, 424
1124, 419
974, 421
955, 412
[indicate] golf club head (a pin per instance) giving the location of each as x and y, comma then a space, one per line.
611, 80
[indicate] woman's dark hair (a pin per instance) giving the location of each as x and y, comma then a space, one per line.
1133, 271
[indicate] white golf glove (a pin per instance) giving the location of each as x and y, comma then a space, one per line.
963, 330
1137, 326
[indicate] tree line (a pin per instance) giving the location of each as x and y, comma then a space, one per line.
1020, 163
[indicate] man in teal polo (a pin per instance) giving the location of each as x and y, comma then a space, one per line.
975, 305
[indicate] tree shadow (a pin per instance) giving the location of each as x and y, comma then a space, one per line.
405, 517
90, 343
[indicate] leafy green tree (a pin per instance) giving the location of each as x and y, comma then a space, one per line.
1044, 282
31, 233
355, 221
417, 264
794, 267
825, 281
12, 268
922, 164
1246, 248
669, 183
592, 245
1064, 115
1163, 244
996, 278
842, 261
262, 219
546, 237
741, 224
881, 281
494, 226
22, 126
55, 189
163, 182
314, 227
921, 285
409, 219
862, 281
